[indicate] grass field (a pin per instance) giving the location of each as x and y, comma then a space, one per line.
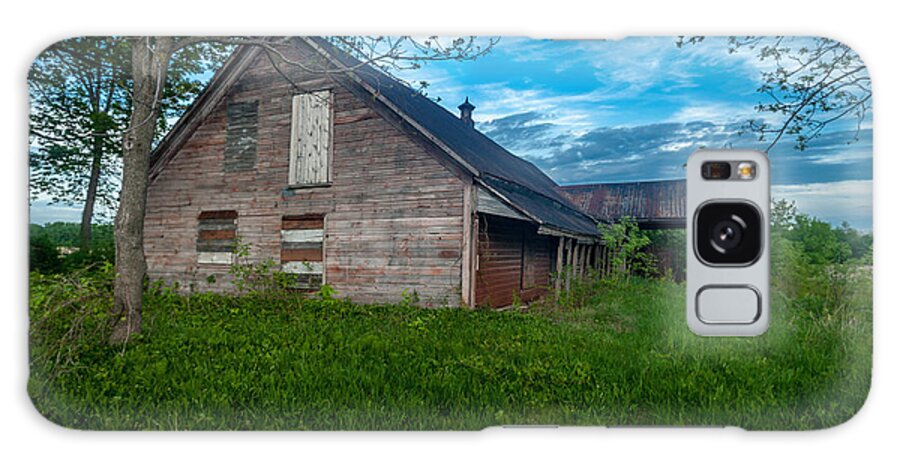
623, 357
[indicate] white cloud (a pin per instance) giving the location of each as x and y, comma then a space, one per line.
835, 202
719, 112
848, 156
41, 212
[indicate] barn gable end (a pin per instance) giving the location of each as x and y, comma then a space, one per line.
392, 210
405, 196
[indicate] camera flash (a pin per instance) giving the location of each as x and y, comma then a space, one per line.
746, 170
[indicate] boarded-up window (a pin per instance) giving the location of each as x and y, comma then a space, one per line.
240, 137
216, 237
301, 249
310, 139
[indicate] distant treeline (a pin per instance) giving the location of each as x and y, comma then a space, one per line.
56, 247
818, 241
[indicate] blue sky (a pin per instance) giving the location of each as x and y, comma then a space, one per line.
635, 109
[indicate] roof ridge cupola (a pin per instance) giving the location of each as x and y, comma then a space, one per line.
465, 113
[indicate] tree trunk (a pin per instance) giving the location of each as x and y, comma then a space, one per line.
150, 59
87, 215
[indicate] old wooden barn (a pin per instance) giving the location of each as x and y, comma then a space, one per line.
353, 179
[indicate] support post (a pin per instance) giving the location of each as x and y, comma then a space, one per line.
560, 249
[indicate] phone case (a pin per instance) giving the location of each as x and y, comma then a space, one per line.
387, 233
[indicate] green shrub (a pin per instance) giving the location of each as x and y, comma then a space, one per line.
818, 268
43, 255
627, 245
69, 316
258, 277
47, 241
669, 248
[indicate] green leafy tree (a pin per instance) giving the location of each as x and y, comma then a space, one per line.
79, 105
43, 255
815, 265
627, 245
80, 92
860, 243
819, 241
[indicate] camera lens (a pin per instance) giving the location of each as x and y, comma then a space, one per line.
728, 233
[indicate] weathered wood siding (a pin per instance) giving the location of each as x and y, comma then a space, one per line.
513, 261
393, 214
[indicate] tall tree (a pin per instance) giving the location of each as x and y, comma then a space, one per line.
79, 105
80, 91
810, 83
151, 67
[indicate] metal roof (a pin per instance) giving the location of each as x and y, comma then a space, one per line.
652, 203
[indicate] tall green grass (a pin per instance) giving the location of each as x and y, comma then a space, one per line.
624, 357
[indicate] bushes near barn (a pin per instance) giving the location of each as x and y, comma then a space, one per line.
614, 351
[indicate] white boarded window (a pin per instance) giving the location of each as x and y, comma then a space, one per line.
302, 252
310, 138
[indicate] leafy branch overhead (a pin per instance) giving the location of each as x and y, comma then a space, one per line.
809, 84
81, 99
390, 54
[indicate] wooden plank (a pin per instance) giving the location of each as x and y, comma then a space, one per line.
304, 246
311, 254
217, 234
217, 224
215, 245
559, 262
466, 274
302, 267
354, 116
302, 222
311, 138
221, 214
215, 258
510, 256
324, 278
294, 153
308, 281
303, 235
584, 261
490, 204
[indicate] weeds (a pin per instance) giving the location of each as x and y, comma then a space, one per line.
258, 277
622, 356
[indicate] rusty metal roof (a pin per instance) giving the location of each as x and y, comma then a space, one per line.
659, 204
